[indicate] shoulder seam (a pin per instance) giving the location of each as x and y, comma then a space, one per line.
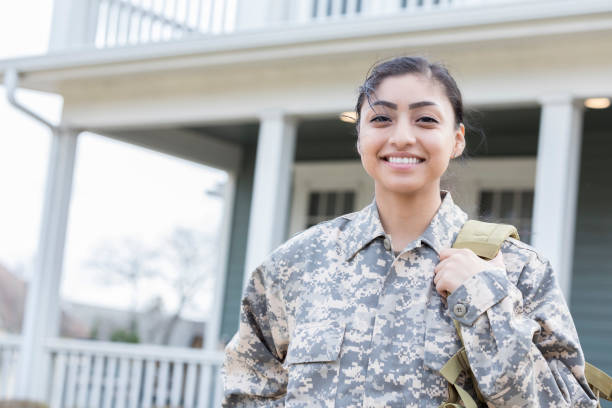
527, 247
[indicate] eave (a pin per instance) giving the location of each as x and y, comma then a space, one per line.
442, 29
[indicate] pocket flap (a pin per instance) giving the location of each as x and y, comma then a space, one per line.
317, 342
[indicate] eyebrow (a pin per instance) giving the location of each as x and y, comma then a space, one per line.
411, 106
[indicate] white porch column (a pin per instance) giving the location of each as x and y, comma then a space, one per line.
271, 187
556, 187
42, 312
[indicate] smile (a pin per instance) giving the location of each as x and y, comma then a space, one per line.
404, 160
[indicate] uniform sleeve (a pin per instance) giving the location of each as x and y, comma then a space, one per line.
520, 339
253, 374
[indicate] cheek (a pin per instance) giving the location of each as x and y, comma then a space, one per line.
440, 147
368, 152
367, 144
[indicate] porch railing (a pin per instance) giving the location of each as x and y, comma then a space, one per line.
115, 23
103, 375
127, 22
9, 354
100, 374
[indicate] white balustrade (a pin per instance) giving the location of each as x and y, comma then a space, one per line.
9, 353
132, 22
100, 374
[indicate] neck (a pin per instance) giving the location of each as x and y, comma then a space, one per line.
406, 216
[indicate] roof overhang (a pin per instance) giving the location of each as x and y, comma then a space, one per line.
449, 28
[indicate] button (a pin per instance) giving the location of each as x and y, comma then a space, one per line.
387, 244
459, 310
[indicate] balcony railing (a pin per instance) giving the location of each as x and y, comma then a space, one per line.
126, 22
132, 22
103, 375
9, 353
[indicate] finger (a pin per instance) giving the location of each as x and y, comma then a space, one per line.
437, 278
446, 252
440, 265
441, 291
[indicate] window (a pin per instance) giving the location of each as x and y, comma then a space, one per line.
326, 205
324, 190
513, 207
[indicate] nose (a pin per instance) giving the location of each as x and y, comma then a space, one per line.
402, 134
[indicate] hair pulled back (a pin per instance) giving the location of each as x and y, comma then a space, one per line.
410, 65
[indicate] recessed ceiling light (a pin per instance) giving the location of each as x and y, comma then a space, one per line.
349, 117
597, 103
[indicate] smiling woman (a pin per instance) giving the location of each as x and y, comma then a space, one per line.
407, 133
366, 309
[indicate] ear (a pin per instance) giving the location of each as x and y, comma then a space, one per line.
358, 146
459, 146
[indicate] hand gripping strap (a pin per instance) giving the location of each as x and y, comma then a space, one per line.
484, 238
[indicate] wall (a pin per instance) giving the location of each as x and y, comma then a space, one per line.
237, 252
591, 292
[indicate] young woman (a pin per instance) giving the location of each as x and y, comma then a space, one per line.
354, 312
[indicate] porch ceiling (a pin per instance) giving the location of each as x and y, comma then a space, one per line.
492, 132
507, 132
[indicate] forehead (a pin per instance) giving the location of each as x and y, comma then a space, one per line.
409, 88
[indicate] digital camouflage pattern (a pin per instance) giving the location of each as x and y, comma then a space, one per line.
333, 319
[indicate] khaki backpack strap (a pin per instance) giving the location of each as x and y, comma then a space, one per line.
451, 371
600, 382
466, 364
484, 238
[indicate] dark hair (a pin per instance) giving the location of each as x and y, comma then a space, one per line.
410, 65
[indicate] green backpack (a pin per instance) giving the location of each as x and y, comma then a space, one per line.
485, 239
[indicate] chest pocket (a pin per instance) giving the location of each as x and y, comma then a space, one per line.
312, 362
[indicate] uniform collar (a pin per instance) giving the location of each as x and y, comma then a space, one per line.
365, 226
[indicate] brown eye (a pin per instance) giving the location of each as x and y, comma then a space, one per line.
427, 119
380, 118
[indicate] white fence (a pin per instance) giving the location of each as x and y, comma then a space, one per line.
104, 375
9, 353
131, 22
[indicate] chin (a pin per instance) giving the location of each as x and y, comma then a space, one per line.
400, 188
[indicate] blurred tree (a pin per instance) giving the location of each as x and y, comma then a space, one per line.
127, 261
190, 257
184, 262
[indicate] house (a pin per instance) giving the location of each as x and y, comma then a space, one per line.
13, 292
256, 88
150, 324
84, 321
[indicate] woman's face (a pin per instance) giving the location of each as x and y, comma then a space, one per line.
407, 134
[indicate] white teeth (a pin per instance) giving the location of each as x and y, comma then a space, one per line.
404, 160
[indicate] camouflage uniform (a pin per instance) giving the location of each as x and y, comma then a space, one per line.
333, 318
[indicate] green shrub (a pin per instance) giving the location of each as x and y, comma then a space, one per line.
125, 336
21, 404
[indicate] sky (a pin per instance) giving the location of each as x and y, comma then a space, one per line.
119, 191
